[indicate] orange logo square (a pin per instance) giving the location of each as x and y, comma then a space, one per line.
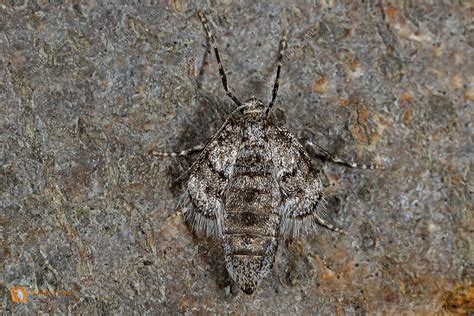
19, 294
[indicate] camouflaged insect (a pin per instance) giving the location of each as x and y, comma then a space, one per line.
253, 184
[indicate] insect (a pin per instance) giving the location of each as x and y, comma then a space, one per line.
253, 184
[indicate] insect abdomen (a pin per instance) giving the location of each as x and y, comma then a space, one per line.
251, 221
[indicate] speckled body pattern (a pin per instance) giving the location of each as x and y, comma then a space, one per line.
251, 184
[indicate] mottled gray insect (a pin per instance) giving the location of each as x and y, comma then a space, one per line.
253, 184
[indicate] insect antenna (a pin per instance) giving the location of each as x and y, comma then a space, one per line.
276, 84
212, 40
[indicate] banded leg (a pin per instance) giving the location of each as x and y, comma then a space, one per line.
178, 154
281, 53
335, 159
321, 221
211, 39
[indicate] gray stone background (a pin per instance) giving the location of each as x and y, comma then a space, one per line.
89, 89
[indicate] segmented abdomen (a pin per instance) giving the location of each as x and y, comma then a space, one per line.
251, 218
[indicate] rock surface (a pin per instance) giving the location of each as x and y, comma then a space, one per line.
89, 90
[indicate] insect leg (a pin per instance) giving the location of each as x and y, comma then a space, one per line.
185, 152
321, 221
326, 155
211, 39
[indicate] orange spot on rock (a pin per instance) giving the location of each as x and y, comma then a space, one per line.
326, 273
392, 12
460, 301
363, 115
408, 116
359, 134
178, 5
344, 102
406, 97
320, 85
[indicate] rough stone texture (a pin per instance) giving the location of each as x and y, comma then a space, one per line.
89, 89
